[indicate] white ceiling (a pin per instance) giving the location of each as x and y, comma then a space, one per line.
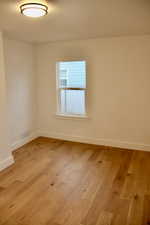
77, 19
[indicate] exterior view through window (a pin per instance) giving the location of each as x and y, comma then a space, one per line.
71, 85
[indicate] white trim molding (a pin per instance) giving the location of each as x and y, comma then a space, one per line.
76, 117
23, 141
10, 160
6, 162
97, 141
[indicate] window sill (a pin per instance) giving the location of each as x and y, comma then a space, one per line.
65, 116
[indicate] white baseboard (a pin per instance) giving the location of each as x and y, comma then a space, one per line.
6, 162
9, 161
23, 141
96, 141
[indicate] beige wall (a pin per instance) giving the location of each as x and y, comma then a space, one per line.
118, 91
5, 155
19, 58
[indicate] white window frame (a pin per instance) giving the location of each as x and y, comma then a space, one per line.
58, 90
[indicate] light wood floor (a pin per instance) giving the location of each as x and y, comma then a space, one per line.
63, 183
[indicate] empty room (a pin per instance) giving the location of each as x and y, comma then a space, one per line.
75, 112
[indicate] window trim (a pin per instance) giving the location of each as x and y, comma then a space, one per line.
72, 116
58, 110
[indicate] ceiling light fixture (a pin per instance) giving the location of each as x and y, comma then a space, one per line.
34, 9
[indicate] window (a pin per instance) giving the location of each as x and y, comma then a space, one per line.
71, 87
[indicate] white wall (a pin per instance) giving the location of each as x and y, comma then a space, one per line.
5, 156
21, 87
118, 91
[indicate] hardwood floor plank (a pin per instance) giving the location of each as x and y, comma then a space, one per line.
2, 189
105, 218
146, 211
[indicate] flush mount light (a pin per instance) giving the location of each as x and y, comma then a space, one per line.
34, 9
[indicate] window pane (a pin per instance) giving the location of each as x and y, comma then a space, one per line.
74, 73
72, 101
63, 79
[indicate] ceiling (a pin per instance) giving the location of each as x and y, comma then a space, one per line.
76, 19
